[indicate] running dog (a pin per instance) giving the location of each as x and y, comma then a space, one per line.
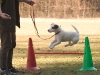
63, 36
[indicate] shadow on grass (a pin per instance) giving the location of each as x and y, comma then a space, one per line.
59, 65
61, 69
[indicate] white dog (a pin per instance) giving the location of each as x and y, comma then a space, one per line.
62, 36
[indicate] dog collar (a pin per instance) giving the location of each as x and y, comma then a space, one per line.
57, 33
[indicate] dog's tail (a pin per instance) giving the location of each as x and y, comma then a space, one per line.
75, 29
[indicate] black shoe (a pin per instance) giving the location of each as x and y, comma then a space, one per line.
6, 72
13, 70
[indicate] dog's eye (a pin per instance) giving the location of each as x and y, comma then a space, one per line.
55, 27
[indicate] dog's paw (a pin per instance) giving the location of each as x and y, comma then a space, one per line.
51, 47
66, 45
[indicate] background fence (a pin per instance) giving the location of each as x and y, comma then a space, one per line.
63, 9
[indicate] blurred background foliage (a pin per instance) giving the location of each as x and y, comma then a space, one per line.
62, 9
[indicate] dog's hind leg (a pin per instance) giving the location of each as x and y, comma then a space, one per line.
74, 41
68, 44
71, 44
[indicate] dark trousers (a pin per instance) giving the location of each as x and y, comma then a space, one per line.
8, 42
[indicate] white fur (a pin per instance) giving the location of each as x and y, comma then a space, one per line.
63, 36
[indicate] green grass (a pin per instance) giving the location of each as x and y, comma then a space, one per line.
56, 64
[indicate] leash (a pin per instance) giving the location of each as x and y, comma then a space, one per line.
32, 14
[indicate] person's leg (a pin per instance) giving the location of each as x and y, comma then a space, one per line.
6, 46
10, 53
0, 47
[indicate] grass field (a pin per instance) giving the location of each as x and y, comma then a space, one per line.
57, 64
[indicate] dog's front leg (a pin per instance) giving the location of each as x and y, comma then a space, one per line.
52, 43
58, 41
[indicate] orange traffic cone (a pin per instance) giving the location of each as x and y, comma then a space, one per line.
31, 62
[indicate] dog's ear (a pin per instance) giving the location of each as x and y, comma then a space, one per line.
52, 24
55, 26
